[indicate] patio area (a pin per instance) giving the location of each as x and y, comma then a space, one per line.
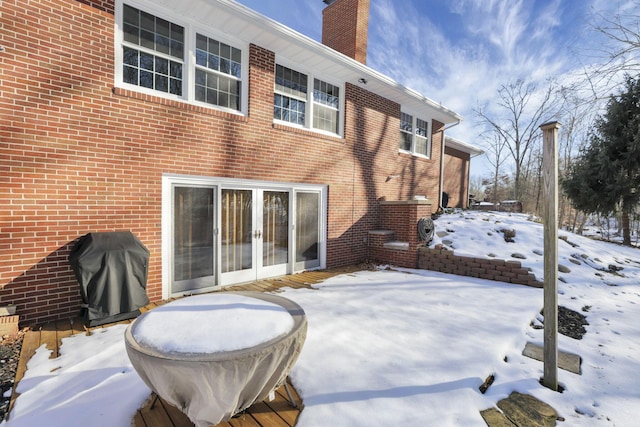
276, 413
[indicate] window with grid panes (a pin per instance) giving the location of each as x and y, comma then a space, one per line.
414, 135
422, 145
290, 98
218, 73
406, 131
158, 54
153, 52
326, 106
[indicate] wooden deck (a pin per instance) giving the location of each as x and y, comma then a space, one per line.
276, 413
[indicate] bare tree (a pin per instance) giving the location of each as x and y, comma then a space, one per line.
476, 188
577, 118
622, 53
494, 145
521, 111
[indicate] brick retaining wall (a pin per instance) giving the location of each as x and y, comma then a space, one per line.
398, 244
444, 261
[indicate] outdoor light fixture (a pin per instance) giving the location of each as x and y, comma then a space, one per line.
362, 80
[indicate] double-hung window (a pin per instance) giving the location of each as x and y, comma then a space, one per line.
406, 132
294, 102
414, 135
290, 99
326, 106
174, 60
152, 52
218, 73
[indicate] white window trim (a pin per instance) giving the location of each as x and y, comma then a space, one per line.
308, 118
414, 126
189, 60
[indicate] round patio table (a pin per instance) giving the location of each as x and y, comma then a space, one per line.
187, 363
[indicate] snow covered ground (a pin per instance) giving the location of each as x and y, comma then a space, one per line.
408, 347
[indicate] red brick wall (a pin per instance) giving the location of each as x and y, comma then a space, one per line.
456, 177
78, 156
399, 223
345, 26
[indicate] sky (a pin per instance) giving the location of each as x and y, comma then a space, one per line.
401, 346
460, 52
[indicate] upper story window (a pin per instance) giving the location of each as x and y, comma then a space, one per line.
163, 57
414, 135
406, 132
326, 106
218, 73
153, 51
294, 103
290, 99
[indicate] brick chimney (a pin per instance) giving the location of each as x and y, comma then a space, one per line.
345, 24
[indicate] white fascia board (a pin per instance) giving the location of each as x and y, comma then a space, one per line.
462, 146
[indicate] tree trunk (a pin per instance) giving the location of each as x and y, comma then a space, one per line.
626, 226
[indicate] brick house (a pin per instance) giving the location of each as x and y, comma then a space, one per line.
455, 171
233, 147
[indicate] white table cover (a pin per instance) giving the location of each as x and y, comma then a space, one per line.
211, 388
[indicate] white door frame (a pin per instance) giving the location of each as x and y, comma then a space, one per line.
171, 180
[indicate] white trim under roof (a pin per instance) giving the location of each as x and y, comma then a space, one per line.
231, 17
462, 146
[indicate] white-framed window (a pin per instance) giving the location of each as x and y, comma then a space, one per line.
162, 55
406, 132
326, 106
218, 73
415, 135
152, 51
290, 98
295, 104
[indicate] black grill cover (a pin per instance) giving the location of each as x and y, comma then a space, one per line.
111, 268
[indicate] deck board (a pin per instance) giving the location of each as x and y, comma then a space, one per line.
276, 413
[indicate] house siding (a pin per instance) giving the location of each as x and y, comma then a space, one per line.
79, 156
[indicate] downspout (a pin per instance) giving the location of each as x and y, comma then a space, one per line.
442, 164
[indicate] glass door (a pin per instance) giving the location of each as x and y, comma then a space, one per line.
238, 235
307, 233
223, 231
193, 238
274, 256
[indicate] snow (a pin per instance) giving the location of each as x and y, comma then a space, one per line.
230, 322
407, 347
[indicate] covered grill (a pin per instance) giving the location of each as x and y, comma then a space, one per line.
111, 268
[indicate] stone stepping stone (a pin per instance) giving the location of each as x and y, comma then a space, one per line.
520, 410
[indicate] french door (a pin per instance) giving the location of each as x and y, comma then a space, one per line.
221, 233
255, 234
